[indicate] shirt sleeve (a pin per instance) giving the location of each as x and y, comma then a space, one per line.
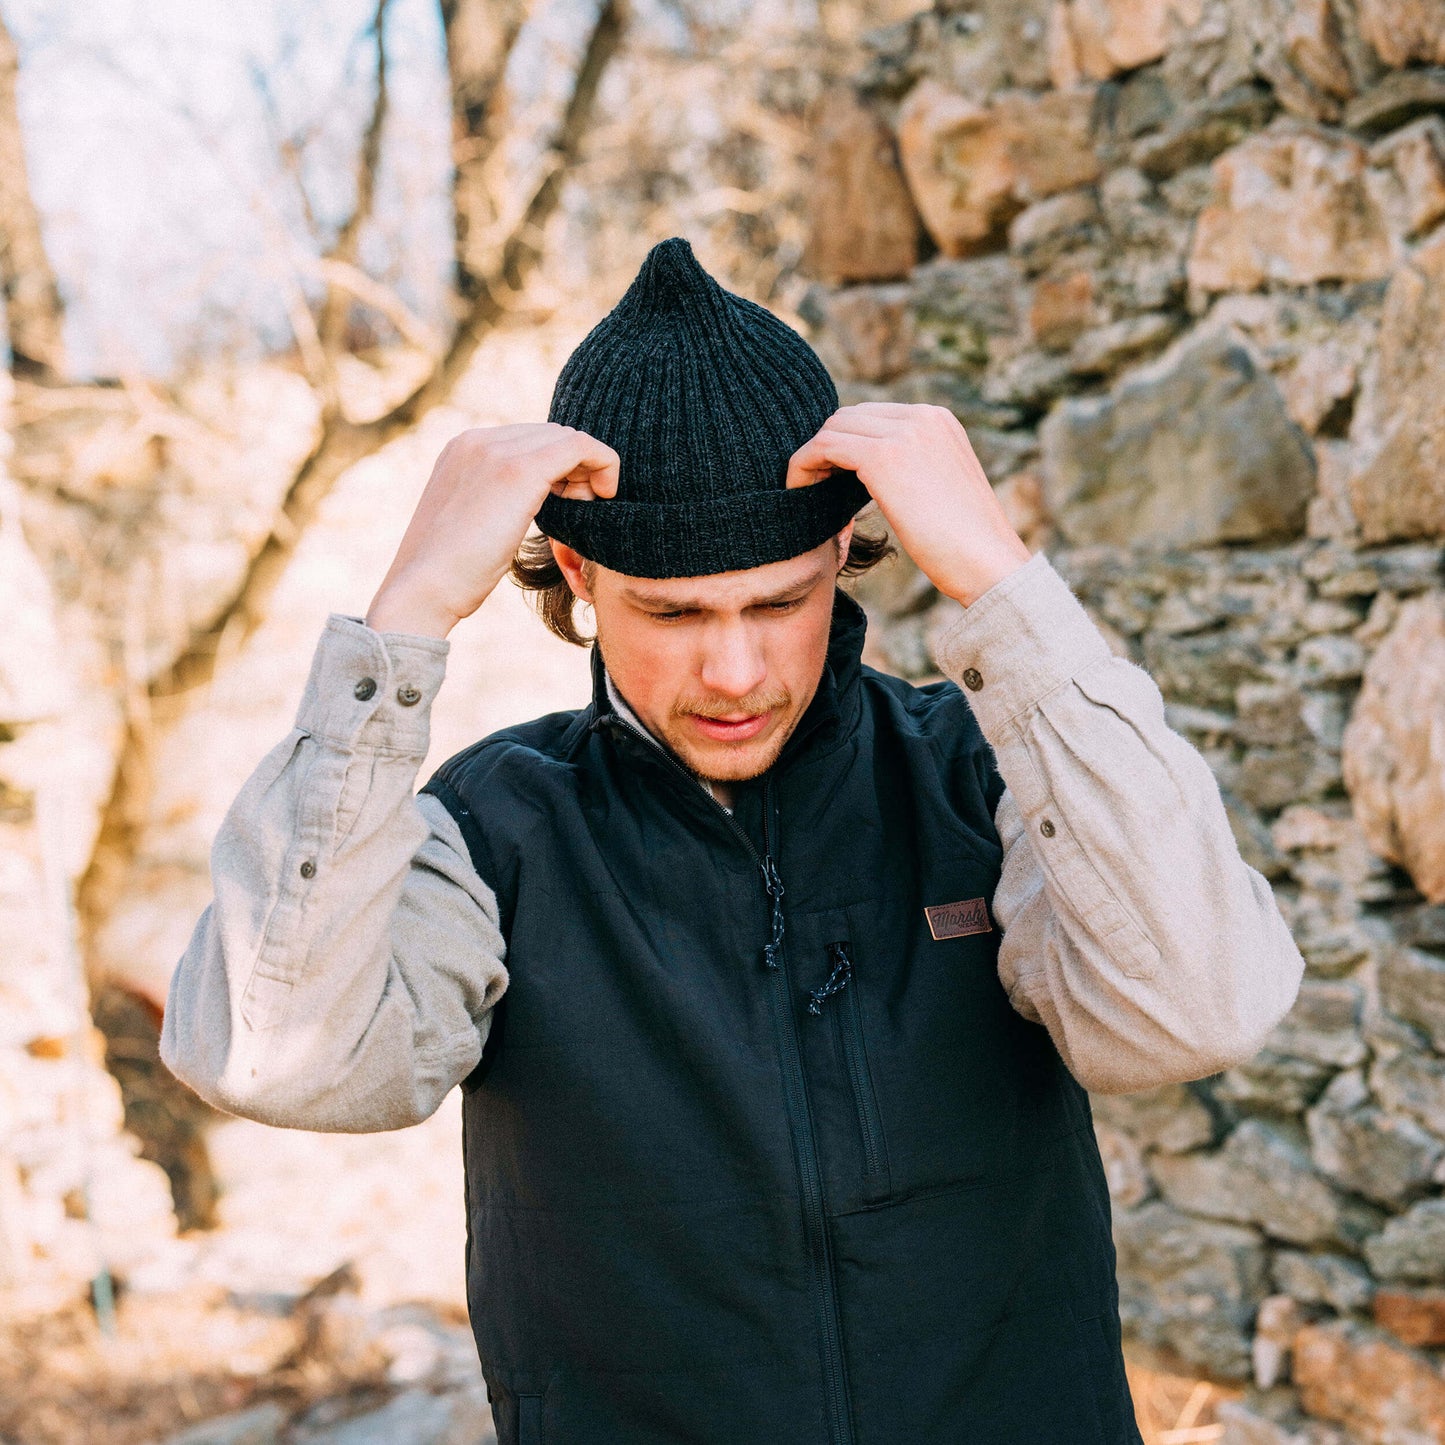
343, 975
1132, 928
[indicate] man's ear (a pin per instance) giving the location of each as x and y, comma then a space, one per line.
573, 566
845, 538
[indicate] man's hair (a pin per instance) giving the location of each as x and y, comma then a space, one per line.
535, 570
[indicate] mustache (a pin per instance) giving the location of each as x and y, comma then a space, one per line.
754, 702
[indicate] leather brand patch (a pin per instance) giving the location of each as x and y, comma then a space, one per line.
955, 920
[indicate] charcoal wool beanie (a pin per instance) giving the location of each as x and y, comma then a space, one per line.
704, 395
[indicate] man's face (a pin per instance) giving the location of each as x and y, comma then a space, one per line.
720, 667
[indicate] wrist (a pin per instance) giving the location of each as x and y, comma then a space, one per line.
393, 610
983, 574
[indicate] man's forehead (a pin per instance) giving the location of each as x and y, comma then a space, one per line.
748, 587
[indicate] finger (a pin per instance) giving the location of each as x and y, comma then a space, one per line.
583, 460
826, 451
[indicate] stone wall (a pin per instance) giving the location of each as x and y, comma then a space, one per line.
1179, 268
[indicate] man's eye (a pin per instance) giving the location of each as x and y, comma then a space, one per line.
668, 616
787, 606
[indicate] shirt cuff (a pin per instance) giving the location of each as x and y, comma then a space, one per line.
372, 689
1017, 642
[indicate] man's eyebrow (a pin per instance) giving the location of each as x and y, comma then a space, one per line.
659, 603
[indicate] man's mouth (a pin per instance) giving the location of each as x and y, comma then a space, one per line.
732, 728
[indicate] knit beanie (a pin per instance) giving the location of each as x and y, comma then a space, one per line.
704, 395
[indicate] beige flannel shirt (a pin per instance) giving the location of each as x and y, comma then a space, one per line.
343, 975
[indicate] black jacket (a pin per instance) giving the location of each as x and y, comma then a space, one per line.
752, 1156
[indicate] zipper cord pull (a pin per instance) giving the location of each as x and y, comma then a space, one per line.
838, 978
774, 885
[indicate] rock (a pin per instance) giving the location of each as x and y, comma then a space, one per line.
1385, 1157
1170, 1119
1393, 760
961, 309
1043, 232
1200, 132
1292, 206
973, 166
1397, 487
1061, 308
1336, 1280
1244, 1425
1416, 157
1099, 38
862, 223
1402, 31
1263, 1175
1302, 53
1412, 1245
1400, 96
1275, 1325
1194, 449
1414, 1316
866, 331
1412, 986
1412, 1083
416, 1417
1189, 1287
1370, 1384
260, 1425
1123, 1166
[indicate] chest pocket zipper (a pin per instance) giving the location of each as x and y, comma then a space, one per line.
848, 1022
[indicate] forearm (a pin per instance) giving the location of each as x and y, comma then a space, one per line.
1133, 929
342, 975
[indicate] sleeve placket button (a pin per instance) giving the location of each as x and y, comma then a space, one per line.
1047, 828
972, 678
364, 689
407, 695
308, 869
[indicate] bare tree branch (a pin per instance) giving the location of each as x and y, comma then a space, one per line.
486, 87
368, 161
33, 310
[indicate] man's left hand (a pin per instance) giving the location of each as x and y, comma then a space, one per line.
919, 465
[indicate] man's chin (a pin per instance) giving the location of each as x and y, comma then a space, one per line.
731, 762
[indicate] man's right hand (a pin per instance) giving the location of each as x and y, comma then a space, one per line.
483, 492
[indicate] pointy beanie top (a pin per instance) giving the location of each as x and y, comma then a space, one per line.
704, 395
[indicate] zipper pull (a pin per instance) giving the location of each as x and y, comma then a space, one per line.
774, 885
838, 978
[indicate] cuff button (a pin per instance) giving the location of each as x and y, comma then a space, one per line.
308, 869
1047, 828
364, 689
972, 678
407, 695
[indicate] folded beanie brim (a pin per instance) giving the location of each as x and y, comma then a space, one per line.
748, 529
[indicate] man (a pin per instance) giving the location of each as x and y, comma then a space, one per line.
775, 1117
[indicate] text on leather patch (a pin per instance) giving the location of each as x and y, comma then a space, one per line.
954, 920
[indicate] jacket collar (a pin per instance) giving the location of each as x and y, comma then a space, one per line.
831, 715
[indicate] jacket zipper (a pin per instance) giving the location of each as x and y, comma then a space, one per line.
849, 1022
795, 1097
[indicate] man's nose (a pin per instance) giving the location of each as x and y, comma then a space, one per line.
733, 664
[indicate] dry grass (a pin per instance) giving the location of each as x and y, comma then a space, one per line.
1176, 1409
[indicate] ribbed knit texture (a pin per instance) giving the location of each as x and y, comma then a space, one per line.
704, 395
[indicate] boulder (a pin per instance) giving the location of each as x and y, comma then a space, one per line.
1195, 449
1263, 1175
1291, 205
1402, 31
1414, 1316
1393, 757
1412, 1245
1097, 39
862, 223
1384, 1392
1397, 486
972, 166
1189, 1288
